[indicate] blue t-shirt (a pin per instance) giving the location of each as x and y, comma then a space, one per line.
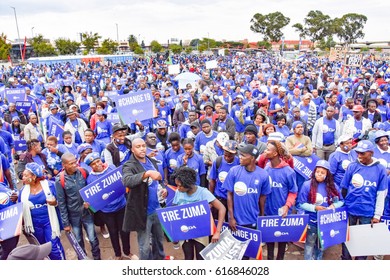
328, 131
153, 203
339, 162
196, 163
362, 183
201, 141
200, 194
283, 182
160, 158
358, 128
219, 175
171, 159
103, 131
247, 187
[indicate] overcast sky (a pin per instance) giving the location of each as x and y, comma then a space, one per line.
165, 19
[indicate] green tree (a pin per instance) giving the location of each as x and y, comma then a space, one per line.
90, 40
5, 47
133, 43
264, 45
66, 46
326, 43
42, 47
175, 48
350, 27
108, 47
155, 46
317, 26
188, 50
269, 25
138, 50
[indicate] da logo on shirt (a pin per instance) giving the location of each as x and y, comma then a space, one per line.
222, 176
345, 163
172, 163
241, 189
357, 180
319, 199
383, 162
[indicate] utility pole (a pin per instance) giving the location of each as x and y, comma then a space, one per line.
17, 28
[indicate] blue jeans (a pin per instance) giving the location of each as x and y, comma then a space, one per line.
150, 240
354, 220
86, 221
313, 249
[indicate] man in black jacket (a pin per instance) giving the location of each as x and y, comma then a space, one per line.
141, 176
224, 123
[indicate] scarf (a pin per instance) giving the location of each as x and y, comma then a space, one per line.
28, 224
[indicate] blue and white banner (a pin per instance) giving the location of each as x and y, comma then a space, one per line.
332, 226
11, 221
292, 228
23, 106
56, 130
111, 93
305, 165
104, 190
113, 118
187, 221
254, 249
15, 94
137, 106
20, 144
171, 194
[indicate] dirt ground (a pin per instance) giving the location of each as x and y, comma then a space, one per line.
294, 252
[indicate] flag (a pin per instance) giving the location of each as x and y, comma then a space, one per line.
149, 60
10, 60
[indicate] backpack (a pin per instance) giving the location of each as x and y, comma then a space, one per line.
62, 176
218, 162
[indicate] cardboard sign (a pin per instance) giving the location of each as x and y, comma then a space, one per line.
386, 220
11, 221
227, 248
332, 226
254, 249
212, 64
369, 241
104, 190
354, 59
292, 228
173, 69
187, 221
23, 106
15, 94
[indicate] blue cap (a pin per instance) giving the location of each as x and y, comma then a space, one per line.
91, 158
379, 134
35, 169
364, 146
83, 147
323, 163
15, 118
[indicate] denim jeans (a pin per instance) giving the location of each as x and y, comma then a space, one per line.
150, 240
354, 220
313, 249
86, 221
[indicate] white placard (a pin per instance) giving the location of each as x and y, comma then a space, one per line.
221, 52
365, 240
211, 64
174, 69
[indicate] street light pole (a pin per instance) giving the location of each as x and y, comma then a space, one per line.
32, 32
208, 41
117, 35
17, 28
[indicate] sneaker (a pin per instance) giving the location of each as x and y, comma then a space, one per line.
105, 233
131, 257
169, 258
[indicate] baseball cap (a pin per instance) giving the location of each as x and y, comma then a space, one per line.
360, 88
283, 89
248, 149
195, 124
208, 104
358, 108
379, 134
323, 163
30, 252
53, 106
222, 138
185, 100
364, 146
104, 98
343, 138
240, 96
91, 158
276, 136
230, 146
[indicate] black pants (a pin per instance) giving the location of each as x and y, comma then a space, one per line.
281, 250
114, 222
189, 247
214, 211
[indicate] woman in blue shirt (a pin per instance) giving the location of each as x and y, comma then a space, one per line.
103, 129
320, 193
189, 192
281, 126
